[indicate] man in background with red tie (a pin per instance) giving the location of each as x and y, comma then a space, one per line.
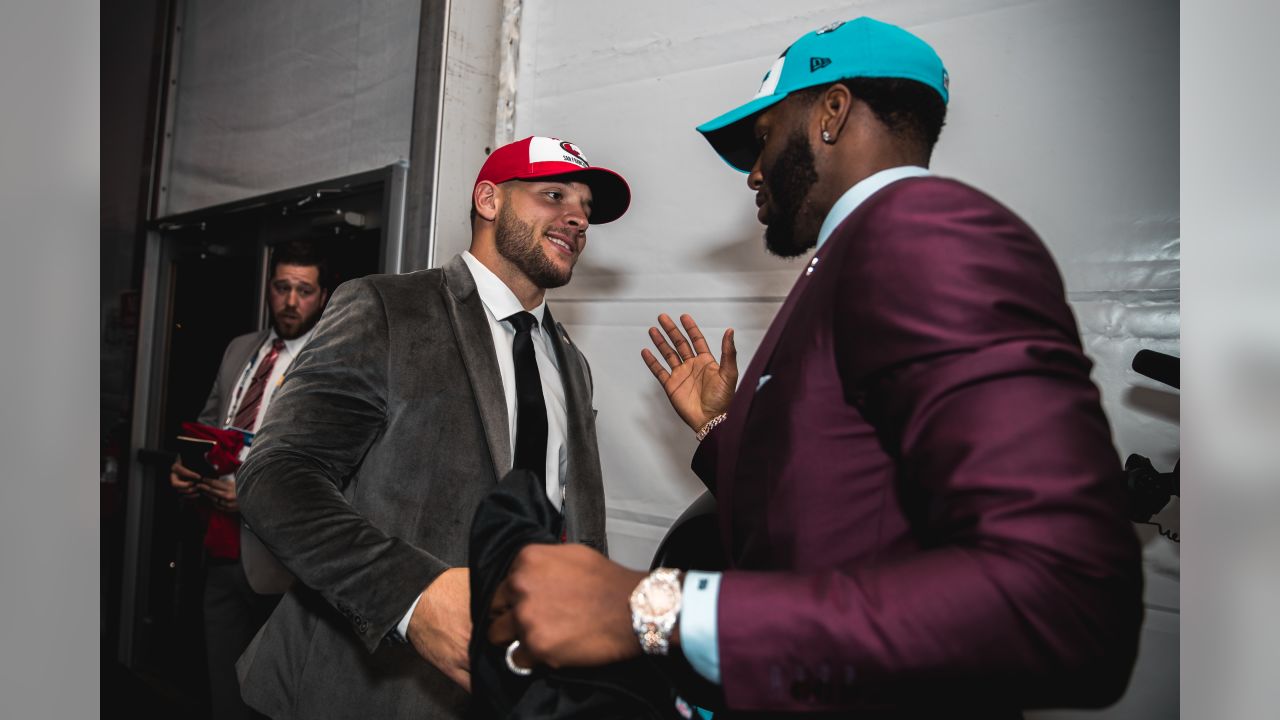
240, 595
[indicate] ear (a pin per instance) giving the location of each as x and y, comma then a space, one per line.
486, 199
833, 111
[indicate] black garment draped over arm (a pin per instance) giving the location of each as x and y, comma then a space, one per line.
517, 513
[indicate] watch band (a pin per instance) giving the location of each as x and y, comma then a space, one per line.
655, 607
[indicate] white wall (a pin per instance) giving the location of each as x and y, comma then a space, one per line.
472, 63
1066, 110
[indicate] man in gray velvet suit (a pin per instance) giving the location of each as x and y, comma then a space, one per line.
243, 581
409, 404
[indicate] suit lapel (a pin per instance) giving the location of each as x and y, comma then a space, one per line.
475, 342
741, 404
740, 408
584, 491
233, 370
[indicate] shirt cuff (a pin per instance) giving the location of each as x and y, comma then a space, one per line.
403, 626
698, 629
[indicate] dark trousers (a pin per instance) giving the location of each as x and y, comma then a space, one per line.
233, 613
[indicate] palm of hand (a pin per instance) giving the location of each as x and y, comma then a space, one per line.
698, 386
699, 390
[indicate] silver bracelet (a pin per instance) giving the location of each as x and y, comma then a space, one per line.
710, 425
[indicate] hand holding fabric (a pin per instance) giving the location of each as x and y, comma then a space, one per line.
698, 387
224, 456
568, 605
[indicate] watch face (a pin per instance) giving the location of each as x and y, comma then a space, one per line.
657, 598
661, 597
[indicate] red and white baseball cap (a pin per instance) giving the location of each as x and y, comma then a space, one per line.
539, 157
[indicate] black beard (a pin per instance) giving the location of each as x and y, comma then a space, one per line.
307, 324
516, 243
789, 182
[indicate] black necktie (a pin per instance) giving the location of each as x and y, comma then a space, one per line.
531, 408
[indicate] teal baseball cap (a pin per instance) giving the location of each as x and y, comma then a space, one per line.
862, 47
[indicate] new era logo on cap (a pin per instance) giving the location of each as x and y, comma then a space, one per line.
818, 63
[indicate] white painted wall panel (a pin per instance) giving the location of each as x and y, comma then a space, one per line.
471, 68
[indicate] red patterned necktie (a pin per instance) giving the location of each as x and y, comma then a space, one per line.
247, 416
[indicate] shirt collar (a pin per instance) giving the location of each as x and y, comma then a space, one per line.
496, 296
294, 345
863, 189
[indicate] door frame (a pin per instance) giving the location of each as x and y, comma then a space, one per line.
155, 316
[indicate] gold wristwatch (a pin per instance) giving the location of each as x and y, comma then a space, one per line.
655, 606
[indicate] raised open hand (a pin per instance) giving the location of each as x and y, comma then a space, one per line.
698, 387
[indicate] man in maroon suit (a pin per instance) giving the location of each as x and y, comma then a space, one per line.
917, 492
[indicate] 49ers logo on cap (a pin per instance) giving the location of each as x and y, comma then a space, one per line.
549, 149
574, 156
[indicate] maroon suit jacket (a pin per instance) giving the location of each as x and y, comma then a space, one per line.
922, 507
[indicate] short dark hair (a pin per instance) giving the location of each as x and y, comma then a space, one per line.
911, 110
306, 254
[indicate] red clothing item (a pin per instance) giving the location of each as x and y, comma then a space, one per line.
222, 534
222, 531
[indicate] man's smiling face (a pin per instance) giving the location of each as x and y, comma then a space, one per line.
542, 228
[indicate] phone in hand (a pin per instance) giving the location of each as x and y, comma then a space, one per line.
193, 453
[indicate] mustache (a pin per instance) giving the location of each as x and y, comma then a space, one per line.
568, 231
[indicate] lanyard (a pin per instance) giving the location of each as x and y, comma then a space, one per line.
245, 378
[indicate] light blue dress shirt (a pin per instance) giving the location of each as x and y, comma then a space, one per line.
699, 636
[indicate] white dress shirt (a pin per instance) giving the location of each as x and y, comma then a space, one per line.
499, 302
699, 635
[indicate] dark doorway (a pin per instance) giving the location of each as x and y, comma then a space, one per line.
209, 270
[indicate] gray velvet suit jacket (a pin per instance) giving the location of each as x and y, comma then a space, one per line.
388, 431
